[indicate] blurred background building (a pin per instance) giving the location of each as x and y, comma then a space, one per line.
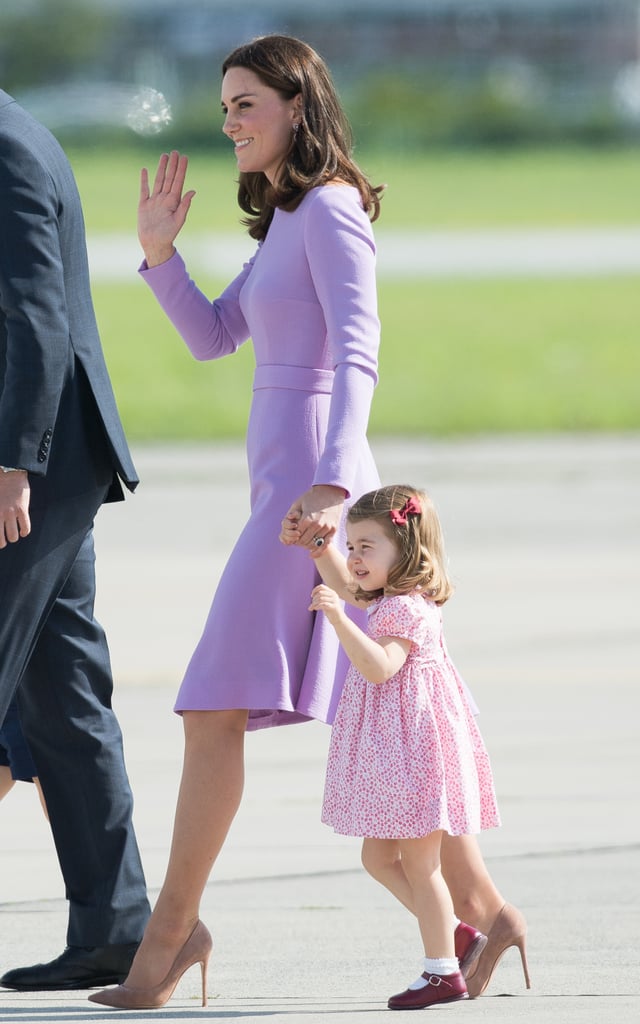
413, 73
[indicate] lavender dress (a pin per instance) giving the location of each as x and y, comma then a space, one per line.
308, 300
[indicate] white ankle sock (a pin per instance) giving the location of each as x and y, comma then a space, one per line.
444, 965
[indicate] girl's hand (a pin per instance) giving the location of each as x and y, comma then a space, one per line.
324, 599
163, 211
289, 533
316, 516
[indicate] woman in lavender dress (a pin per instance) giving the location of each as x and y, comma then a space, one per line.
307, 299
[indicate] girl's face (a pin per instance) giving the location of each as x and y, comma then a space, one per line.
258, 120
372, 554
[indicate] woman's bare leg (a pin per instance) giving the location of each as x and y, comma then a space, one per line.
476, 899
209, 796
43, 802
7, 781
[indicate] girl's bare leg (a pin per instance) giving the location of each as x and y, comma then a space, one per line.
431, 900
209, 796
382, 860
410, 870
476, 899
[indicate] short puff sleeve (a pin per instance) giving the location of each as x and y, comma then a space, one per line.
405, 616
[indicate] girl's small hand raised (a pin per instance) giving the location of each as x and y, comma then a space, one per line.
324, 599
163, 210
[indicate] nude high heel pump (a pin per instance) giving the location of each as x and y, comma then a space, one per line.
508, 929
196, 950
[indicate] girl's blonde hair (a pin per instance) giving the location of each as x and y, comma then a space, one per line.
421, 564
321, 147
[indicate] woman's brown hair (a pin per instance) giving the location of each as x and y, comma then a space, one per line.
320, 149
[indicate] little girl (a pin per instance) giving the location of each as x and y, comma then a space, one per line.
406, 760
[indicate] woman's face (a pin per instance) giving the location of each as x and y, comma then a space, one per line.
258, 120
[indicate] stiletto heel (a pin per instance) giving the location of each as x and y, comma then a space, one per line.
196, 950
508, 929
203, 969
521, 944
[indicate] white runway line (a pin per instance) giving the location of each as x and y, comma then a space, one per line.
543, 252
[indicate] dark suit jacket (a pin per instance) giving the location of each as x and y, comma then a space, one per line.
58, 416
58, 420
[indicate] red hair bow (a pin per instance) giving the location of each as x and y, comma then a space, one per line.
411, 507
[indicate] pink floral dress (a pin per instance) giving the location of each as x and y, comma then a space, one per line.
406, 757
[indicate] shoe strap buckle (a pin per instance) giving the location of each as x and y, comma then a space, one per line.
437, 980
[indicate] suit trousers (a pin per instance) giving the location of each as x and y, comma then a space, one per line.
54, 653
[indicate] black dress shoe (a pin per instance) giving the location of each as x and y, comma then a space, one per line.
77, 967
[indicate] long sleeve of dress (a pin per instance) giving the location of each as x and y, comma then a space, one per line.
341, 253
210, 329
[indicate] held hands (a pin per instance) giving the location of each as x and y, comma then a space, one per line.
290, 534
14, 507
314, 516
163, 211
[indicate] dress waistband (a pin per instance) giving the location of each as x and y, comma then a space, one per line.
297, 378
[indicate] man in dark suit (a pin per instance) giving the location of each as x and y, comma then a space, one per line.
62, 454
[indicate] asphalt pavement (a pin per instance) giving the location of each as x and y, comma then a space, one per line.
544, 545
